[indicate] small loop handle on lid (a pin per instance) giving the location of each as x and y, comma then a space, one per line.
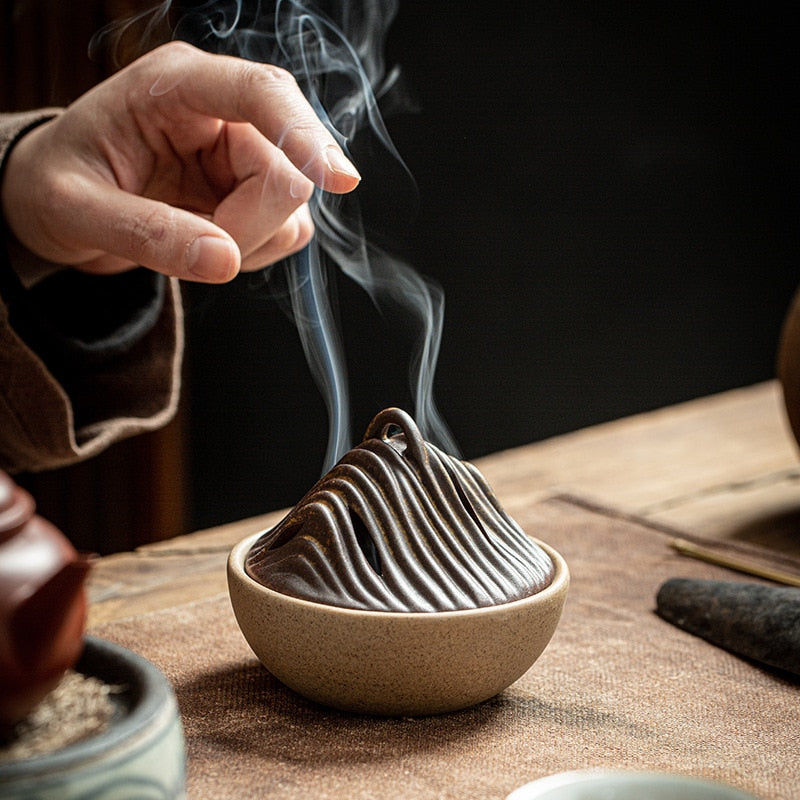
396, 417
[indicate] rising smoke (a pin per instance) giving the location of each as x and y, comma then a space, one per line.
335, 51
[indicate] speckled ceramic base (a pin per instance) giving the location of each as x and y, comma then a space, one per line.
390, 663
141, 754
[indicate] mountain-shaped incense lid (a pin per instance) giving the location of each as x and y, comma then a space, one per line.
398, 525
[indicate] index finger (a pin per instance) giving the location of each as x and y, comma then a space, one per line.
267, 97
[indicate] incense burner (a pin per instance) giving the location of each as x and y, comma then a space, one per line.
398, 585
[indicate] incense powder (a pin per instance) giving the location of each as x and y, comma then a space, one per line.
79, 707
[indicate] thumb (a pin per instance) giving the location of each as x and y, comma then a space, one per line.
156, 235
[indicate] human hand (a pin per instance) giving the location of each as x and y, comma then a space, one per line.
191, 164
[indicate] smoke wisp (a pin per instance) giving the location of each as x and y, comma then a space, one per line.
335, 52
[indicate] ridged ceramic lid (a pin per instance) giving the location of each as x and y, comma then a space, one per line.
398, 525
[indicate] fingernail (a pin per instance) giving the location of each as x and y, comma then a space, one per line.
339, 163
300, 188
211, 258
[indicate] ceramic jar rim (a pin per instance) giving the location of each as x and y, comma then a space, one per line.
149, 696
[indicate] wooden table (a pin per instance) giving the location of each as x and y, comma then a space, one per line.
724, 466
618, 687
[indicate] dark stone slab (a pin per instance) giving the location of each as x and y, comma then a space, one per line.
757, 621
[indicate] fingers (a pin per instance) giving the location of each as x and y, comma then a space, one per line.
291, 237
99, 227
128, 229
120, 167
267, 188
237, 90
116, 227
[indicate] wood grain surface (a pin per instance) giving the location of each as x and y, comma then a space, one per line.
723, 467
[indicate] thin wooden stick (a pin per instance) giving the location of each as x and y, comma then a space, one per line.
737, 563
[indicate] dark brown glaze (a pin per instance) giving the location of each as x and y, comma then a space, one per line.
398, 525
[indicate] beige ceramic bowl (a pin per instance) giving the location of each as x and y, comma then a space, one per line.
388, 663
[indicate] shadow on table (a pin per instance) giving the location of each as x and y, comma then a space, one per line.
243, 710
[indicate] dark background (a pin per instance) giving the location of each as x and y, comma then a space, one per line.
608, 194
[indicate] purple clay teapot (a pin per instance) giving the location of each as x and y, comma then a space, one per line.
42, 604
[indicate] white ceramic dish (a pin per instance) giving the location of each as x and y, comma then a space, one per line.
623, 785
390, 663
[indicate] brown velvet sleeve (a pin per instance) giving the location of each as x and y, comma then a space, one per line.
43, 424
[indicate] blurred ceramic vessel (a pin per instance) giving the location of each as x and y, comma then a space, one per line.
42, 604
139, 754
625, 785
